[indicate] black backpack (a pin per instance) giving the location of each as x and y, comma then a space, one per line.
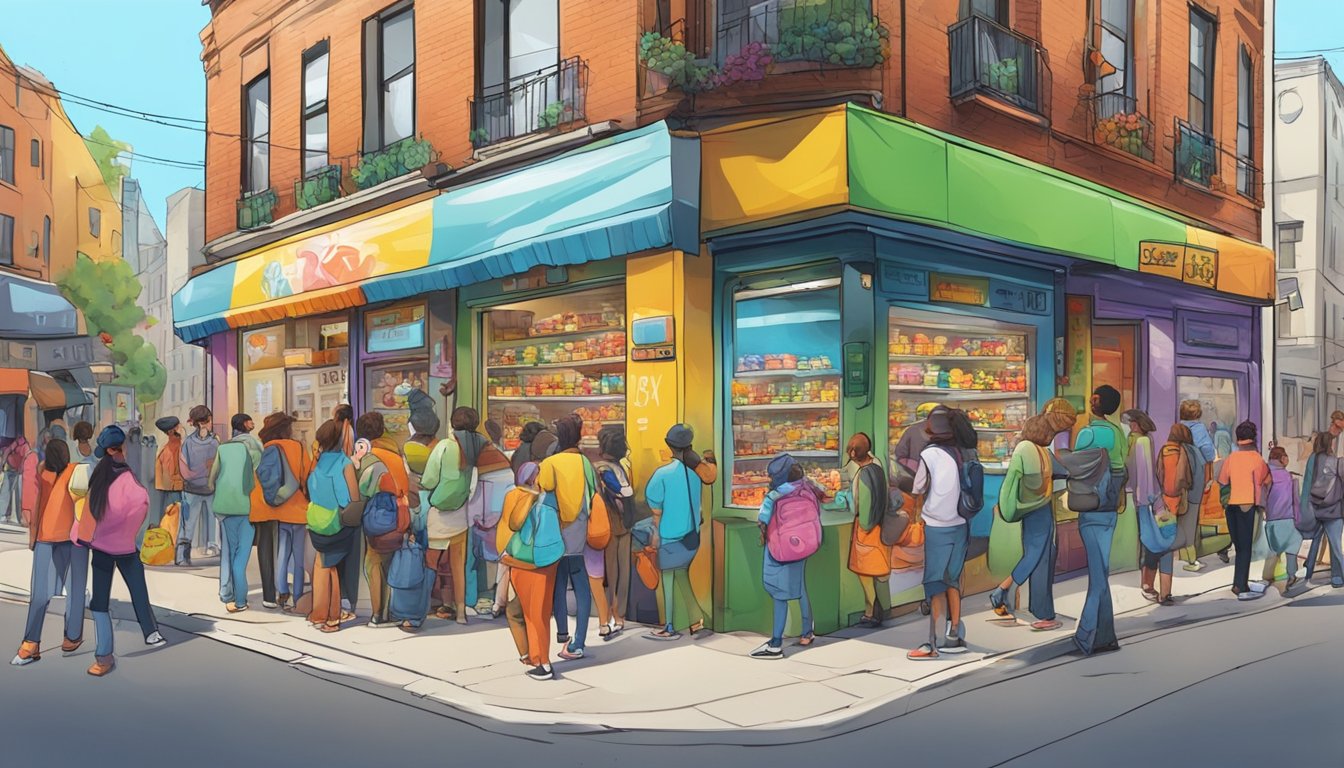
971, 474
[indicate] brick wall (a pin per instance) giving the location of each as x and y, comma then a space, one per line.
445, 80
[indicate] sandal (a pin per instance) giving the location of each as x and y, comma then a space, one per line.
604, 632
1150, 594
347, 616
663, 635
612, 631
922, 653
445, 613
697, 629
328, 628
1046, 625
808, 639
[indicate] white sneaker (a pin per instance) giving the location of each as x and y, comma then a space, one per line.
1258, 587
1247, 596
155, 640
768, 651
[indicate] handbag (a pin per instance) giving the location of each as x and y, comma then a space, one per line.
599, 516
407, 570
538, 543
646, 566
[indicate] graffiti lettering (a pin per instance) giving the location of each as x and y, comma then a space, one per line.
646, 391
1200, 268
1160, 256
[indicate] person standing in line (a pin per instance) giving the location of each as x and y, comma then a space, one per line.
424, 427
1246, 474
10, 479
1026, 496
613, 470
1096, 625
565, 473
869, 558
56, 559
674, 494
81, 451
384, 470
1187, 531
946, 536
167, 465
351, 566
533, 583
1328, 519
1157, 557
332, 486
523, 453
452, 476
117, 505
198, 455
786, 581
282, 538
233, 475
1282, 511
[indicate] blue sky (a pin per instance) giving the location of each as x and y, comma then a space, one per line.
142, 54
1303, 27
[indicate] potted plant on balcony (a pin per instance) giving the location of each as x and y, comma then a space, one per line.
751, 64
395, 160
841, 33
667, 64
556, 113
479, 137
1126, 131
1004, 76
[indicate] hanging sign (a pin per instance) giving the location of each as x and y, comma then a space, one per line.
959, 289
1018, 298
1190, 264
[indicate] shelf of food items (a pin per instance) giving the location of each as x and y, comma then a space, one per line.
819, 393
815, 433
750, 484
993, 377
568, 384
755, 366
562, 324
923, 346
517, 415
998, 425
592, 349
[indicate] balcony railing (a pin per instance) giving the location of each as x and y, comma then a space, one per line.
320, 186
1196, 156
396, 159
552, 97
1118, 123
841, 33
1249, 179
990, 59
257, 209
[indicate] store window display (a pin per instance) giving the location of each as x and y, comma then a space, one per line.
397, 376
785, 395
549, 357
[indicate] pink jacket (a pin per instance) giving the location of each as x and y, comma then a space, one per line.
127, 505
31, 480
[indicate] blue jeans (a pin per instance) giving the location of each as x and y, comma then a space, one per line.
782, 618
202, 509
1329, 531
54, 563
1096, 626
571, 571
233, 557
290, 559
133, 574
1038, 561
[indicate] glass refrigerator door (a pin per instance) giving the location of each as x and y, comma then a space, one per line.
389, 387
785, 386
979, 366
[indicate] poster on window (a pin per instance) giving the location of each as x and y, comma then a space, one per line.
263, 349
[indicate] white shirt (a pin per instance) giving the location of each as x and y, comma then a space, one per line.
940, 483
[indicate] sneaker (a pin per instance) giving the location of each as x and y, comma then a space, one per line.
28, 653
155, 640
768, 651
1223, 556
570, 654
235, 608
269, 605
952, 644
102, 665
1247, 596
543, 672
1194, 567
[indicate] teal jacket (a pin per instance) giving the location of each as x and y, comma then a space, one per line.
233, 476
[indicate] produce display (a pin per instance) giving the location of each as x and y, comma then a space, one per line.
903, 412
908, 343
783, 362
751, 484
983, 376
566, 384
596, 347
564, 322
786, 392
768, 436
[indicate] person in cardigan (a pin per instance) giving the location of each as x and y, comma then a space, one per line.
869, 558
1026, 496
117, 505
282, 533
1143, 486
1282, 511
56, 559
785, 581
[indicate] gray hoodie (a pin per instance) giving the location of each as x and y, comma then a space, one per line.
198, 455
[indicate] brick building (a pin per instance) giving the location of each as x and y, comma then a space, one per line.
721, 213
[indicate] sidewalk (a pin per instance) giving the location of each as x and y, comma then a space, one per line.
634, 683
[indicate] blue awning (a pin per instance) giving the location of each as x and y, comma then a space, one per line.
611, 198
33, 309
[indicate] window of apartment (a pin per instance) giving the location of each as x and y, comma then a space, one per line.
46, 240
257, 134
994, 10
1245, 110
1290, 423
35, 153
522, 37
315, 107
6, 154
1309, 407
1114, 36
389, 77
1290, 234
6, 239
1202, 34
1284, 320
95, 222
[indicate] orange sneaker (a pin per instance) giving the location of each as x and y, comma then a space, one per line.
28, 653
70, 646
102, 665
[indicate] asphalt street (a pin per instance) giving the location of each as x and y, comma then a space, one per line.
1250, 690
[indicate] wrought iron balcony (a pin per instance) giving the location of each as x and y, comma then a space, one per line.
1118, 123
320, 186
840, 33
257, 209
989, 59
1196, 156
552, 97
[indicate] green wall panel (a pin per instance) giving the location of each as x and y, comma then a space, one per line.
895, 169
1134, 224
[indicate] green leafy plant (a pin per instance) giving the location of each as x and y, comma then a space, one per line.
321, 187
397, 159
668, 57
257, 209
479, 137
107, 152
106, 292
841, 32
556, 113
1004, 77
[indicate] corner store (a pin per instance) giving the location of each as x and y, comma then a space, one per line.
897, 230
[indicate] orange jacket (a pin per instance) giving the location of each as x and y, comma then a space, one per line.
167, 471
295, 509
55, 512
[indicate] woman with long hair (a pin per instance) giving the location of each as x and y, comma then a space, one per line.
1328, 519
56, 559
533, 582
869, 558
1157, 555
1187, 531
1025, 497
117, 505
332, 485
287, 519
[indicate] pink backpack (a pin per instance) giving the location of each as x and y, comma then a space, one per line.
794, 532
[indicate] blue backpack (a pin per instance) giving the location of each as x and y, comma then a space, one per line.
277, 480
971, 473
380, 514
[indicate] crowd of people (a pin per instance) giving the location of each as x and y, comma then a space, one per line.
402, 516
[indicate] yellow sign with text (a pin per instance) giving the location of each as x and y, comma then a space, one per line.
958, 289
1190, 264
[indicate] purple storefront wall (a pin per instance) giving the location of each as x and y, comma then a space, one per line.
1183, 331
222, 392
